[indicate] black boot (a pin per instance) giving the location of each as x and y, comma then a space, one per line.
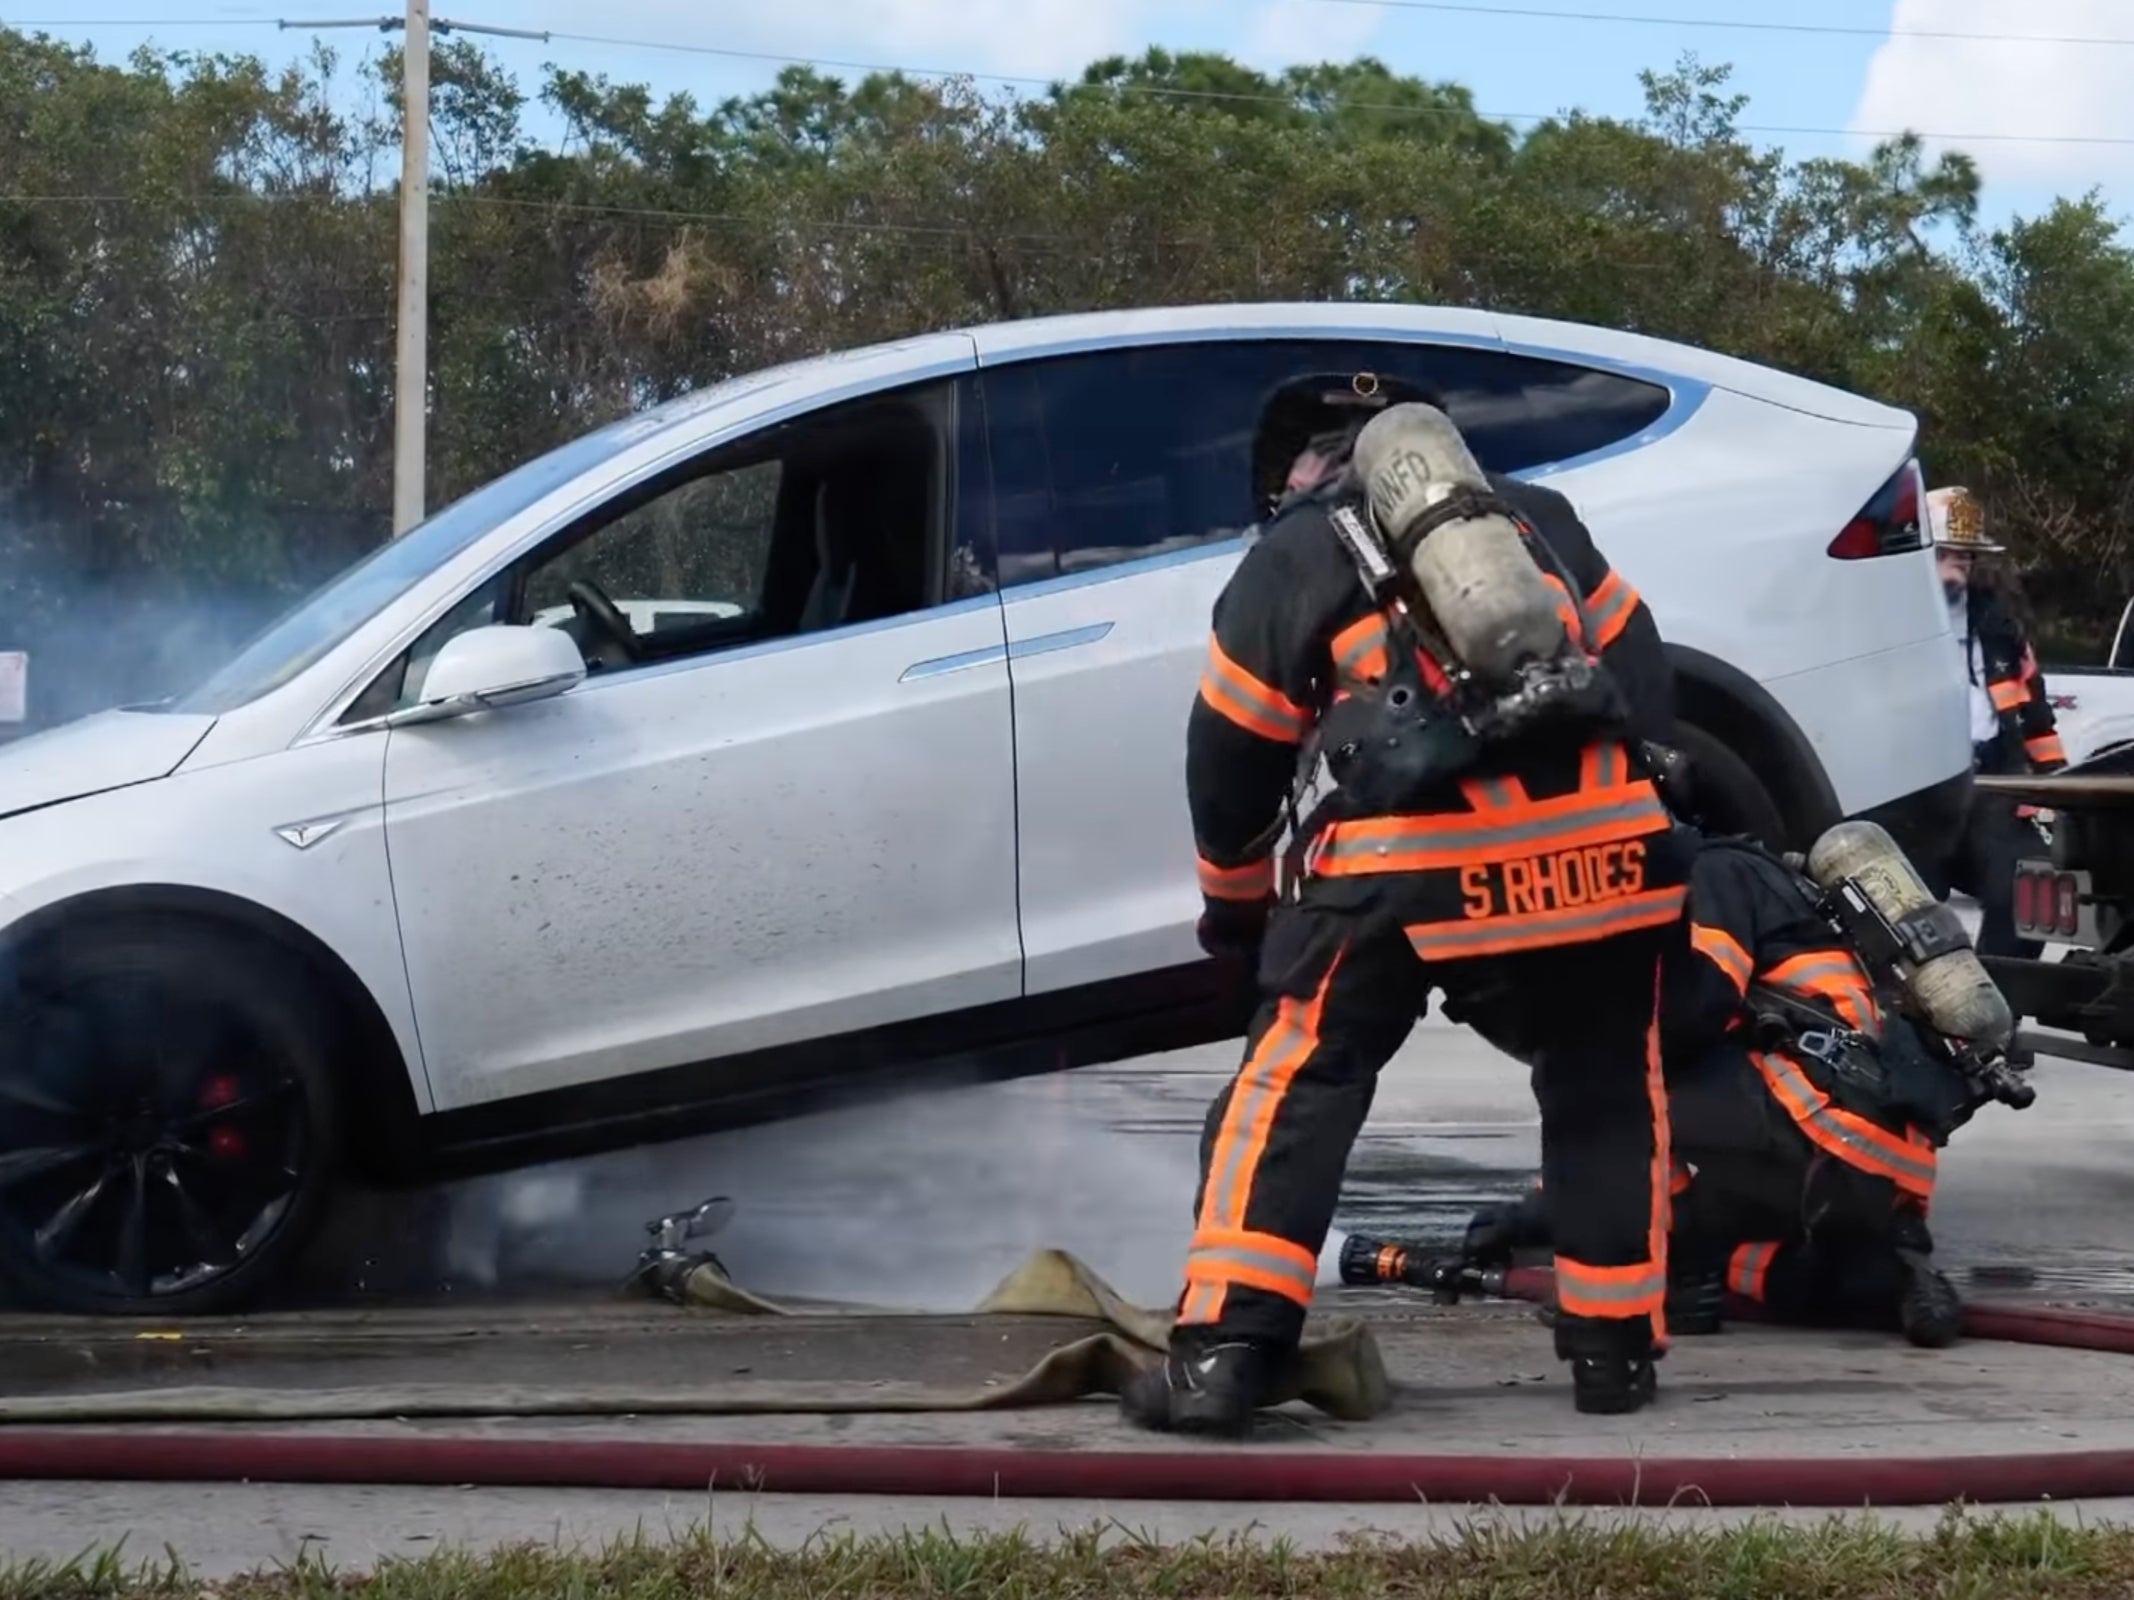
1611, 1364
1928, 1308
1201, 1386
1613, 1386
1696, 1299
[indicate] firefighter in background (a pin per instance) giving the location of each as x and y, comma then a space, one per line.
1796, 1185
2012, 725
1548, 863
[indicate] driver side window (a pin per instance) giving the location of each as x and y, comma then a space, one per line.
837, 518
698, 552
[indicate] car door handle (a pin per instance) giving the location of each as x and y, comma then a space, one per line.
938, 665
1066, 639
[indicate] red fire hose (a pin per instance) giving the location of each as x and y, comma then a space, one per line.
1248, 1474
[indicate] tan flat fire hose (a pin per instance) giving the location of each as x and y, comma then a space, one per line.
1339, 1370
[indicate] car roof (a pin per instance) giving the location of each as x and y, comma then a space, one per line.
797, 385
1635, 354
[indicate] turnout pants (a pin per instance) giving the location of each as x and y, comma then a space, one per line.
1811, 1238
1341, 989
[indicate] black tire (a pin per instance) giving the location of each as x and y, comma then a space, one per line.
1729, 797
169, 1121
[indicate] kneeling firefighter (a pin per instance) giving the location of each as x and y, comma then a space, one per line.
1489, 812
1823, 1037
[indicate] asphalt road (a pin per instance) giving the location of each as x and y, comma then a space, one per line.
926, 1203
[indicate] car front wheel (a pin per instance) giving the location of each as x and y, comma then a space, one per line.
168, 1125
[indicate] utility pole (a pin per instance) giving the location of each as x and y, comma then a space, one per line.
411, 357
411, 351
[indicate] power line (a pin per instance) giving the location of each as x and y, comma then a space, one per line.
1243, 97
1455, 7
1733, 24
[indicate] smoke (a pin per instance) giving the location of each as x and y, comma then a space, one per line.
921, 1203
93, 645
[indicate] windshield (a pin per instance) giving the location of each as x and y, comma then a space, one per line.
321, 622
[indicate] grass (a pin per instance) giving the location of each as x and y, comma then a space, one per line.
1990, 1558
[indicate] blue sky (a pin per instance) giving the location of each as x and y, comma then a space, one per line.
1515, 63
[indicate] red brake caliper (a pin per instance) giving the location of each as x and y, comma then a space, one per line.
217, 1092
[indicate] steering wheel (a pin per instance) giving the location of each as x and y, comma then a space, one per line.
612, 640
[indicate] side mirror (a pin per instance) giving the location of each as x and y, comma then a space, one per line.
486, 669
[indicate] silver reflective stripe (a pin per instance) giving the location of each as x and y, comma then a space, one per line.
1351, 846
1890, 1155
1500, 791
1449, 938
1750, 1264
1614, 766
1834, 967
1598, 617
1253, 1098
1614, 1293
1373, 640
1298, 1283
1841, 968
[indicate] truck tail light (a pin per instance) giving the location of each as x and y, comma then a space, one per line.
2048, 904
1892, 523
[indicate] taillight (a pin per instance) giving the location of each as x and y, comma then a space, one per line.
1890, 524
2048, 904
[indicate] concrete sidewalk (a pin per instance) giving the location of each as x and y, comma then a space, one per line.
1477, 1379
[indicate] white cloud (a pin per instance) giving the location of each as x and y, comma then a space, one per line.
1018, 38
1974, 87
1299, 32
1036, 38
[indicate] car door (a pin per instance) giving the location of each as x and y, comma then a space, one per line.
791, 816
1124, 480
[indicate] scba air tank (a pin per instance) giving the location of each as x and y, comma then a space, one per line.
1490, 600
1952, 992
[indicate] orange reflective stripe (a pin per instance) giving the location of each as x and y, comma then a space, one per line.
2008, 694
1359, 650
1203, 1303
1748, 1267
2046, 747
1609, 609
1503, 832
1495, 794
1254, 1099
1725, 952
1574, 625
1662, 1220
1496, 936
1254, 706
1612, 1292
1253, 881
1835, 977
1908, 1162
1255, 1260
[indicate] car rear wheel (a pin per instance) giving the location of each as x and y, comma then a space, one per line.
168, 1122
1729, 797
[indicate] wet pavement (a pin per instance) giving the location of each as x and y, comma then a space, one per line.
924, 1206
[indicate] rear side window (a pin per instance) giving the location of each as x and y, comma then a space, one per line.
1119, 455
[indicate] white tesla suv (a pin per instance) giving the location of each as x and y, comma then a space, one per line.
826, 723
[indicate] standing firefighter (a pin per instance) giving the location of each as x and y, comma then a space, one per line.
1411, 624
2012, 724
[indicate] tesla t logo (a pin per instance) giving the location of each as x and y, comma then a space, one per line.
303, 835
